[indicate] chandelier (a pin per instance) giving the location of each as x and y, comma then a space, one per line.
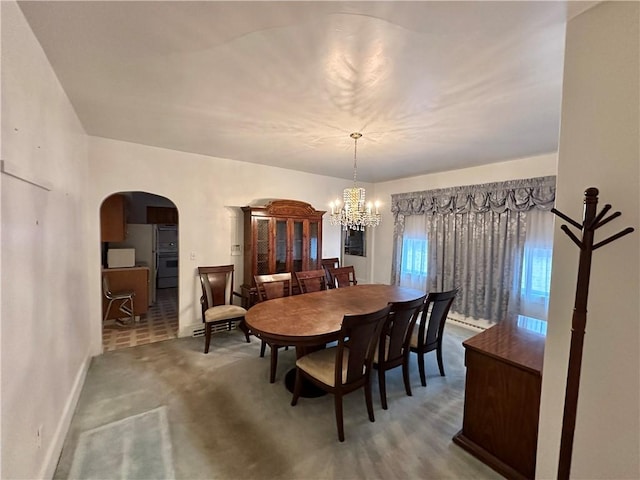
354, 213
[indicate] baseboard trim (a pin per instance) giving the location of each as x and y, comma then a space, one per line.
55, 448
197, 329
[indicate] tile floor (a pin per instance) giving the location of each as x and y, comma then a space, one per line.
160, 323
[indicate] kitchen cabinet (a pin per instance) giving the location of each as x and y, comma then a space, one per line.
502, 397
113, 219
162, 215
282, 236
127, 279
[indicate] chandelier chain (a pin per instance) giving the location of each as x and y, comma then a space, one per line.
355, 161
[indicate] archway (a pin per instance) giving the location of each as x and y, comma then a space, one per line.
140, 249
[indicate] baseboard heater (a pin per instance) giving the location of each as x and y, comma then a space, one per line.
221, 327
466, 324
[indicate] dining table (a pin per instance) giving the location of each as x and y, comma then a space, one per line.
311, 320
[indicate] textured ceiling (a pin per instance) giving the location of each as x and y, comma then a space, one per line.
432, 86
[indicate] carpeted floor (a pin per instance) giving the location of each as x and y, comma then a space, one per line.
227, 422
139, 447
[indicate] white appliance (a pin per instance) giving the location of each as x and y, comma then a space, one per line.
121, 257
142, 238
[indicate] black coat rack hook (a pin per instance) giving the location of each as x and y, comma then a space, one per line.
590, 223
566, 218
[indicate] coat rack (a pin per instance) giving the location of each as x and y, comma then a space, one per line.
591, 222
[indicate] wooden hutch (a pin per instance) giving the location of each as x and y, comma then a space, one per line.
282, 236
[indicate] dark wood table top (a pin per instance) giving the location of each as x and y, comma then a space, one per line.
512, 342
315, 318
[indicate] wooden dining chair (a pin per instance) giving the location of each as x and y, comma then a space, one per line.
346, 367
311, 281
394, 345
328, 263
272, 286
343, 276
217, 301
428, 334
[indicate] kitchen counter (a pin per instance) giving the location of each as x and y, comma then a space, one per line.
126, 279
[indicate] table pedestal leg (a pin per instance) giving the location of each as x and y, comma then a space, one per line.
309, 390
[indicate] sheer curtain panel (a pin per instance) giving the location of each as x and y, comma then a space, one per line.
536, 269
474, 237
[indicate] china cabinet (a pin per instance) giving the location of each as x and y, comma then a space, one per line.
282, 236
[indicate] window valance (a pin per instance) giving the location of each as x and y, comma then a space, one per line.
517, 195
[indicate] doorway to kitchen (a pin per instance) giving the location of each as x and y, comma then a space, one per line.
139, 234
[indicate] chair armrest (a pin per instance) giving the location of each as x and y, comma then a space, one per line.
239, 295
203, 305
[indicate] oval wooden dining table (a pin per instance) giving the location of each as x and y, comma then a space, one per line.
311, 320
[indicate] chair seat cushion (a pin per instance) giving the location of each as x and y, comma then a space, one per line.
321, 365
122, 295
223, 312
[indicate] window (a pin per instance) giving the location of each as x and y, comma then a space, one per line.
536, 272
535, 283
414, 262
354, 242
414, 256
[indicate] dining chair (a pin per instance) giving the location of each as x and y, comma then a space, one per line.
393, 348
328, 263
430, 328
272, 286
345, 367
217, 301
125, 298
343, 276
311, 280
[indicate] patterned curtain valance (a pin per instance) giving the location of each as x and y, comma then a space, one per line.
517, 195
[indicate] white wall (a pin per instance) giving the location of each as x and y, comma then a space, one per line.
382, 245
45, 308
598, 147
208, 193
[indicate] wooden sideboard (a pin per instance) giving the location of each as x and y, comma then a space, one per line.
502, 397
126, 279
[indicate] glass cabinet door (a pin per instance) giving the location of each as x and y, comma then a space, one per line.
314, 246
297, 246
281, 246
262, 246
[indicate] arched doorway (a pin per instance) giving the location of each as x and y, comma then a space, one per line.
139, 245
